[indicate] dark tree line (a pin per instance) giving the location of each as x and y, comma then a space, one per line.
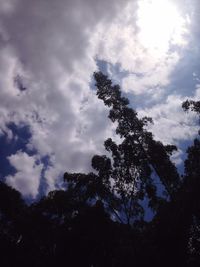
98, 220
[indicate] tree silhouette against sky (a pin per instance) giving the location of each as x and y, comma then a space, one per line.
98, 220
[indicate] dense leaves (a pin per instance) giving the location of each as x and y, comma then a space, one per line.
99, 219
124, 179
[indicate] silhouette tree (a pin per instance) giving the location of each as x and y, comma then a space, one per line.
98, 220
124, 179
191, 105
177, 224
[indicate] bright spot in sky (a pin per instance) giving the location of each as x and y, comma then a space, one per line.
160, 25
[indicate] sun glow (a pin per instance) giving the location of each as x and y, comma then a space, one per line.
160, 25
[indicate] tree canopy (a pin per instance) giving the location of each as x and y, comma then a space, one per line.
99, 219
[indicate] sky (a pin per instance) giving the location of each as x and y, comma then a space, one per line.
50, 118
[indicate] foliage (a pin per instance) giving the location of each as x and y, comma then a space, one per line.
98, 220
125, 179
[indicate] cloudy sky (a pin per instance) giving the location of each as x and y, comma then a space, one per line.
50, 119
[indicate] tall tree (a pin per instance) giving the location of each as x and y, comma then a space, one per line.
125, 178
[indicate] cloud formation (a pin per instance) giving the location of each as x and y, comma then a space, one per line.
48, 52
50, 46
27, 176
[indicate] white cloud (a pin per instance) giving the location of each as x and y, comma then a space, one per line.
28, 172
153, 81
53, 46
171, 123
138, 45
